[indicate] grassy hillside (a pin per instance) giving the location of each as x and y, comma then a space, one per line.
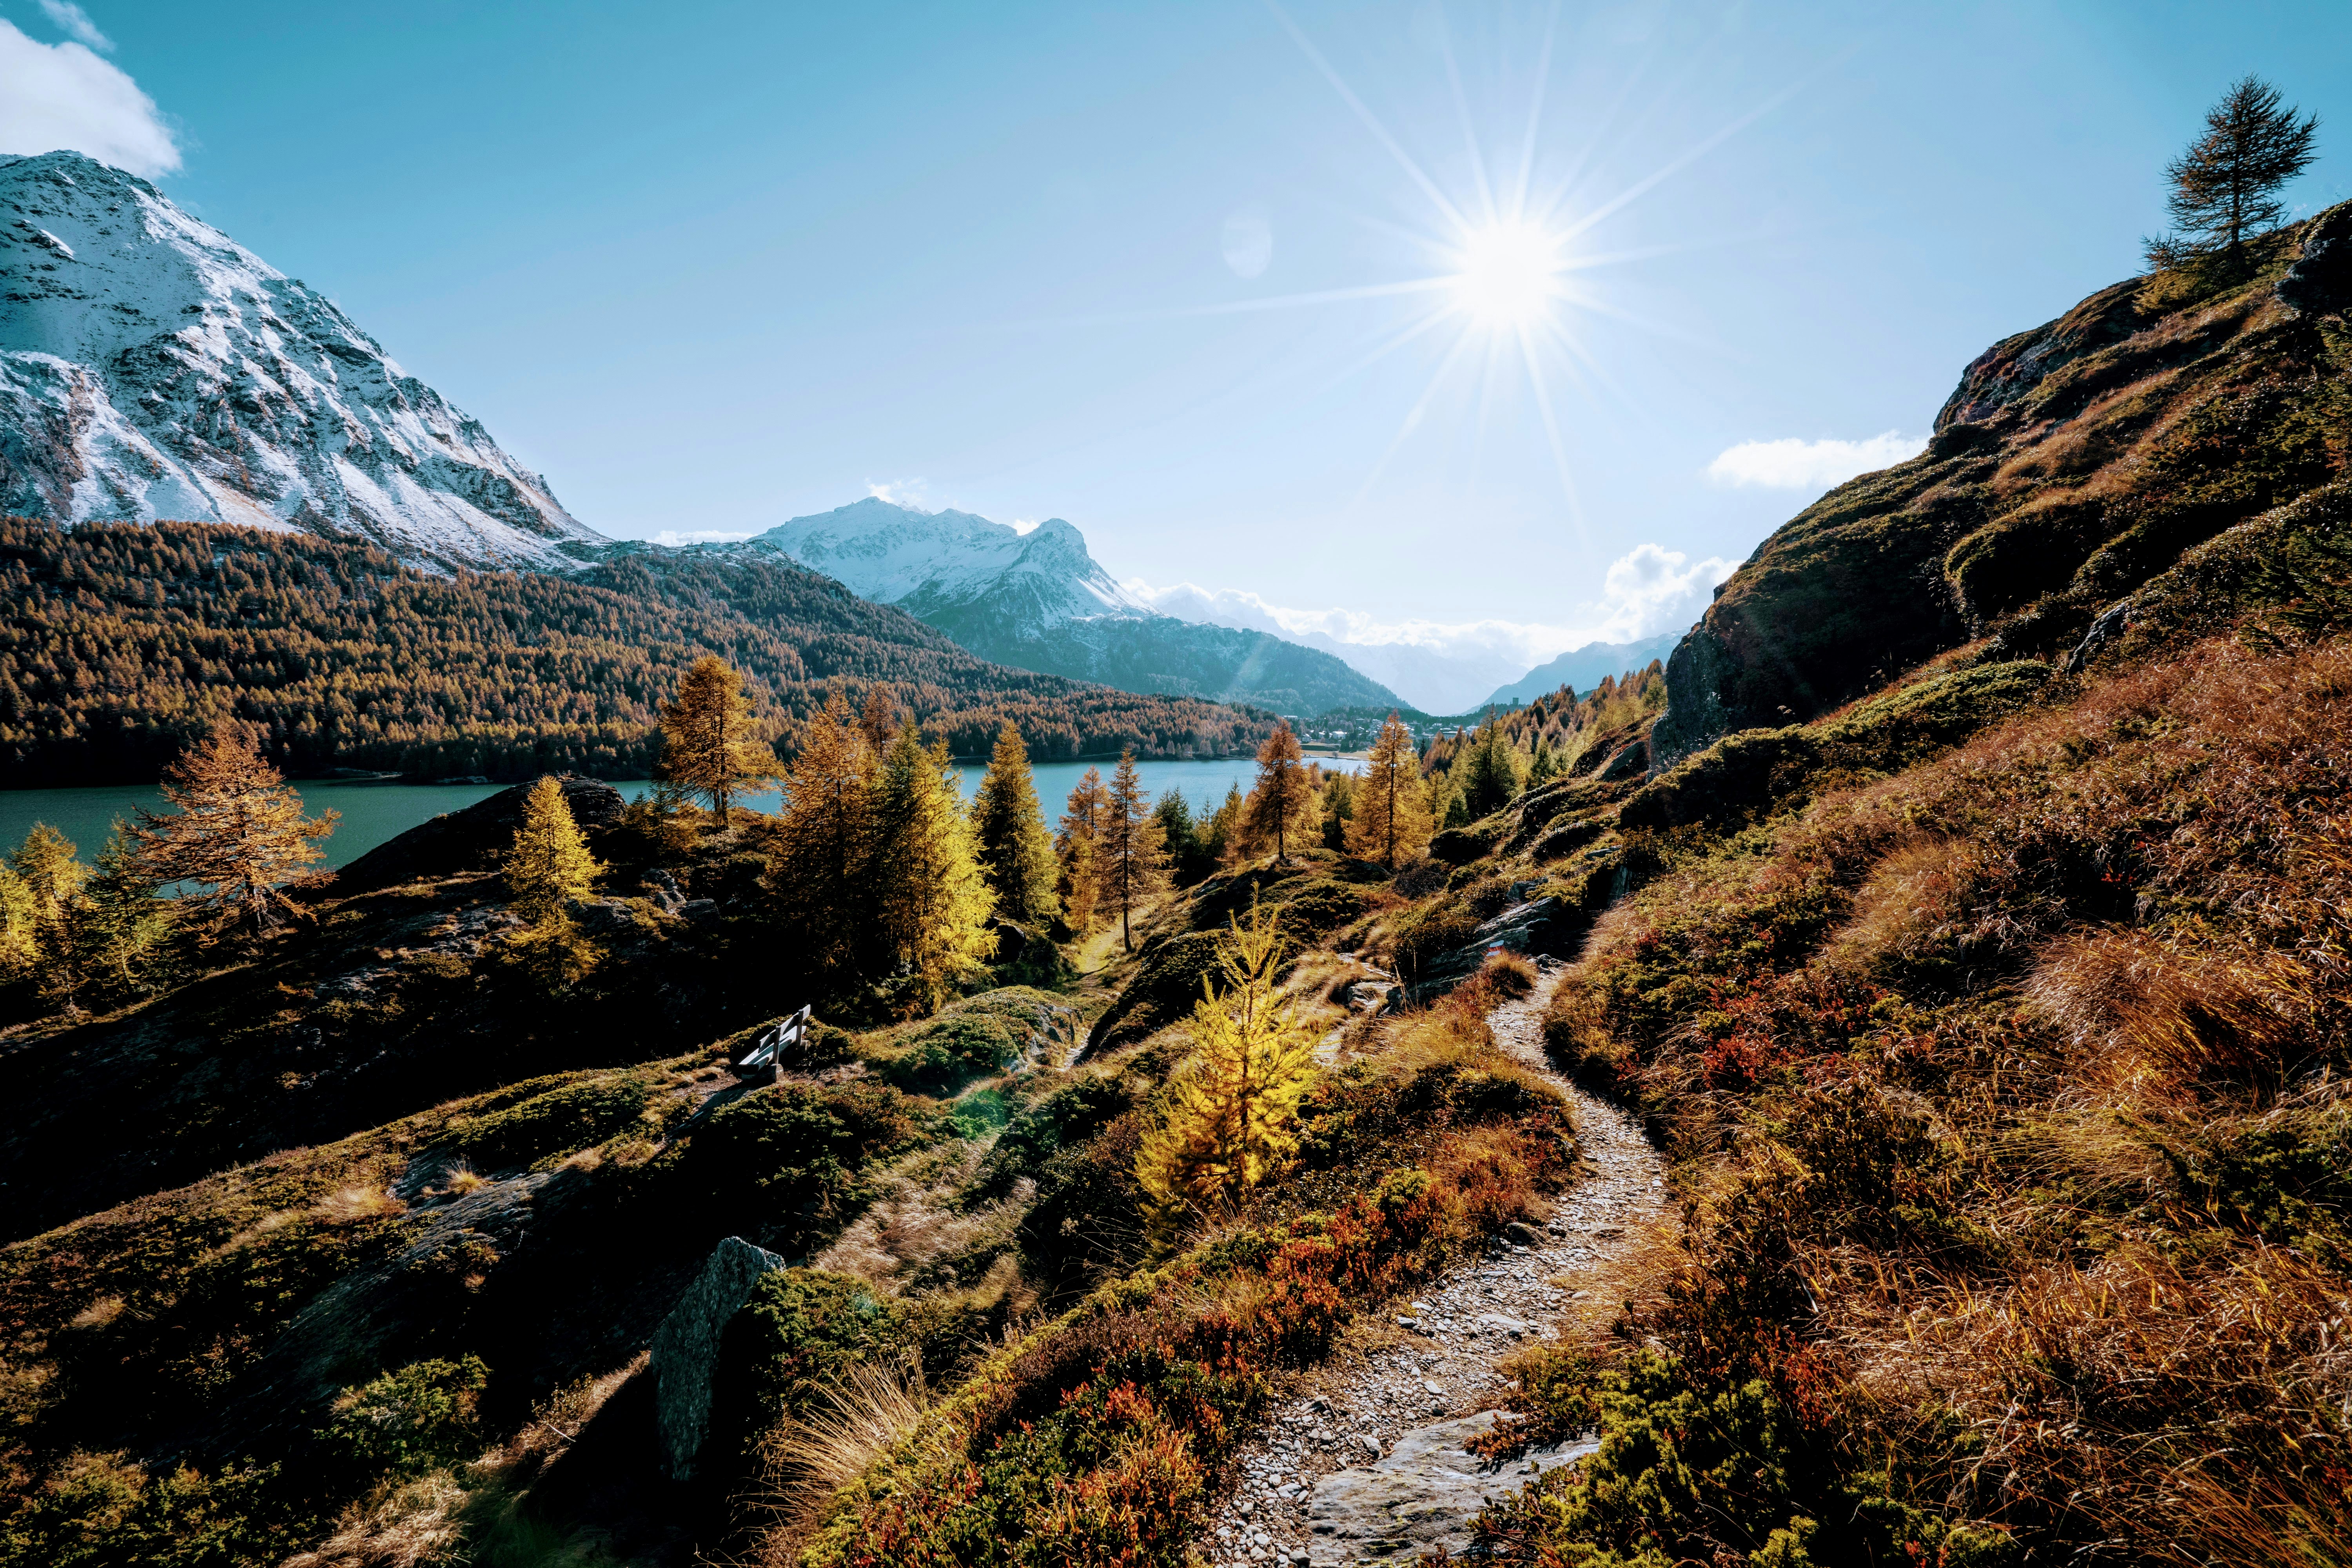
119, 641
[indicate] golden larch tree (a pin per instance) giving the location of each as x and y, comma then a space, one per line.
934, 904
548, 864
1279, 807
1232, 1117
710, 747
235, 831
1017, 854
823, 841
1082, 817
1130, 864
1392, 822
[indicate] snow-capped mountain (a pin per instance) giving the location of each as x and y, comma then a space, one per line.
1039, 600
151, 367
1585, 668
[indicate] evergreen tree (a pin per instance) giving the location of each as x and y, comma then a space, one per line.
46, 866
123, 932
20, 943
933, 903
1131, 867
1339, 810
1456, 810
1391, 824
1490, 773
1188, 862
547, 865
1017, 854
1278, 808
1077, 844
710, 747
1231, 1118
1545, 765
824, 842
234, 830
2224, 187
1222, 833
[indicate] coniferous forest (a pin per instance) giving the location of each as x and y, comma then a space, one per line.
122, 643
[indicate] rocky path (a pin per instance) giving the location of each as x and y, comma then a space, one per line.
1364, 1460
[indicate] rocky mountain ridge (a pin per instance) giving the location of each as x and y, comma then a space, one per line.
151, 367
1037, 599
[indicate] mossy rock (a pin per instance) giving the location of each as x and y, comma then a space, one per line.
549, 1125
1162, 990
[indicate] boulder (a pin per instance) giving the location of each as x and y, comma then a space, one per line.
686, 1347
470, 839
1422, 1497
2321, 278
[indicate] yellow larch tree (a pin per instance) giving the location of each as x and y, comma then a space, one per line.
1082, 817
710, 747
1231, 1118
824, 841
548, 864
934, 904
1131, 860
235, 831
1392, 822
1280, 807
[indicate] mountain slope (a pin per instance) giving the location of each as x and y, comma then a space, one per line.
124, 640
2073, 463
1585, 668
1039, 601
151, 367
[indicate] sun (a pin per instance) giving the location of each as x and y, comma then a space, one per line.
1506, 276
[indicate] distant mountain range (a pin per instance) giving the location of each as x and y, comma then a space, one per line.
1585, 668
1036, 599
151, 367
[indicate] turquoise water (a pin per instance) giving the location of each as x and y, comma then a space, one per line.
373, 812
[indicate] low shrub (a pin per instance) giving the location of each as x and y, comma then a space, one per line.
420, 1417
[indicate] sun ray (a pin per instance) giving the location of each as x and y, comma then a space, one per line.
1535, 115
1396, 341
1551, 429
1462, 109
1371, 122
1413, 418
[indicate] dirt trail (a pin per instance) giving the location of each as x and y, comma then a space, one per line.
1363, 1461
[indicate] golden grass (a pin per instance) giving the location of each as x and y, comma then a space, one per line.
419, 1521
853, 1422
356, 1205
461, 1178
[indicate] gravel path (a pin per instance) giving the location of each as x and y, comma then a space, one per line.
1363, 1461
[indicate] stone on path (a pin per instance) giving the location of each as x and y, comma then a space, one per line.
686, 1347
1422, 1497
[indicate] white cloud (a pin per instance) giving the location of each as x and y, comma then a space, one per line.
1647, 590
677, 537
908, 493
62, 96
1795, 465
73, 21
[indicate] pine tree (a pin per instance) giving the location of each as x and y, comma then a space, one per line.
2224, 187
1277, 808
709, 746
123, 932
1231, 1118
824, 842
234, 830
1339, 810
1076, 845
547, 865
934, 903
1391, 824
1490, 773
46, 866
1180, 839
1017, 854
1131, 867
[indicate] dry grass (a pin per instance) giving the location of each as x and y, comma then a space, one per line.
421, 1521
1510, 974
856, 1420
461, 1178
2138, 1004
357, 1204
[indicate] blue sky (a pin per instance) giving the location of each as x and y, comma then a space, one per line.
713, 265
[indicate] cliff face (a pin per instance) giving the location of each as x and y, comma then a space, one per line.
2071, 464
151, 367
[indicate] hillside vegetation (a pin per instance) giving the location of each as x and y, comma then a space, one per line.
121, 642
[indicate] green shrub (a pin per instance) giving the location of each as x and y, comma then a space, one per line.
556, 1123
405, 1422
784, 1163
943, 1056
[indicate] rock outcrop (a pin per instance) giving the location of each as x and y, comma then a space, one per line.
686, 1347
466, 840
2072, 464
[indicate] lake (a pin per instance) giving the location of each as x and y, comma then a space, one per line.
374, 812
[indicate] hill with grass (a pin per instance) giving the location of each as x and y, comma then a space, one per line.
1973, 989
122, 641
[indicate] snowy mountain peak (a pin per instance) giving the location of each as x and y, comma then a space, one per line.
931, 562
151, 367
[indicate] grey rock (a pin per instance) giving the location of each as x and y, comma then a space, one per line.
686, 1347
2321, 278
1422, 1497
1520, 1234
2111, 625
